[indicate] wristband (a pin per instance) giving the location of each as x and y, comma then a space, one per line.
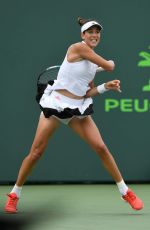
101, 88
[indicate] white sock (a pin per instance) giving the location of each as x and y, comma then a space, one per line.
123, 188
17, 190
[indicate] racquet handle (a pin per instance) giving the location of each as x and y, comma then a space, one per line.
99, 69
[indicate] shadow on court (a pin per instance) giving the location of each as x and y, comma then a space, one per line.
13, 222
25, 220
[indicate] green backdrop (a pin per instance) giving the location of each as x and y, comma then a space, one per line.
34, 35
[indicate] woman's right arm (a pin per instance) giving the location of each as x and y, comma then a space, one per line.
87, 53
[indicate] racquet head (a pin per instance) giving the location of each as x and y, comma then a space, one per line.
46, 77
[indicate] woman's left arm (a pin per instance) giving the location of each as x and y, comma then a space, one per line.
110, 85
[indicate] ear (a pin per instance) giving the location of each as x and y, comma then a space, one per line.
82, 36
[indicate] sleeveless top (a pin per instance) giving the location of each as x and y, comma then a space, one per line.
75, 76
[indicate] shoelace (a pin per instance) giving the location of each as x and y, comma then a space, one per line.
131, 195
12, 200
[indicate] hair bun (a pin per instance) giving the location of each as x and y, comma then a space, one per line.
81, 21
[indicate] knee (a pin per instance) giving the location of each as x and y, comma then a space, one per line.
36, 152
102, 150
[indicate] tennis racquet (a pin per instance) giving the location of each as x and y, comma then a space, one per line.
46, 77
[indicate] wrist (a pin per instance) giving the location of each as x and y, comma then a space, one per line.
102, 88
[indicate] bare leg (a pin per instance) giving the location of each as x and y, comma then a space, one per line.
45, 129
87, 130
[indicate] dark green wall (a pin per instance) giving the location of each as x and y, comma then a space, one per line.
35, 34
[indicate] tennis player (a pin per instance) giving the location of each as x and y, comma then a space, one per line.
68, 101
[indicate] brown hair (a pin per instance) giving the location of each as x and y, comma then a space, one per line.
82, 21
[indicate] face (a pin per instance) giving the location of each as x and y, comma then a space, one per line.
91, 37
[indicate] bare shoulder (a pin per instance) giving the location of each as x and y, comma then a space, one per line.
79, 46
79, 51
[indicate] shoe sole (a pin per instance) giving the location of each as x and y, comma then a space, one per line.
10, 212
131, 206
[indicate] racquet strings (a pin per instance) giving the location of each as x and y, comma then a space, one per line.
48, 75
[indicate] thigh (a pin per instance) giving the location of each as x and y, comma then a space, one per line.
45, 129
87, 130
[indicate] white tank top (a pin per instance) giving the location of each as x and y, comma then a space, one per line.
75, 76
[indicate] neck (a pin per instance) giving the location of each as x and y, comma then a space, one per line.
87, 44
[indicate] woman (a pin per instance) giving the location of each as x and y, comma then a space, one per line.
68, 101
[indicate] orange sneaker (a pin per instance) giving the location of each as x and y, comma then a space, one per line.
135, 202
11, 205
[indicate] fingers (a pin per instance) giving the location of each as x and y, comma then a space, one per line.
116, 81
115, 85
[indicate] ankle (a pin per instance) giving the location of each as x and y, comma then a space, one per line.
17, 190
123, 188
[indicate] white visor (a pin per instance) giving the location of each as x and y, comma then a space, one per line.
87, 25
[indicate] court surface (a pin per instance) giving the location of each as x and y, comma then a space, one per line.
75, 207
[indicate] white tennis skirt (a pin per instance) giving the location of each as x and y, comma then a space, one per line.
53, 103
